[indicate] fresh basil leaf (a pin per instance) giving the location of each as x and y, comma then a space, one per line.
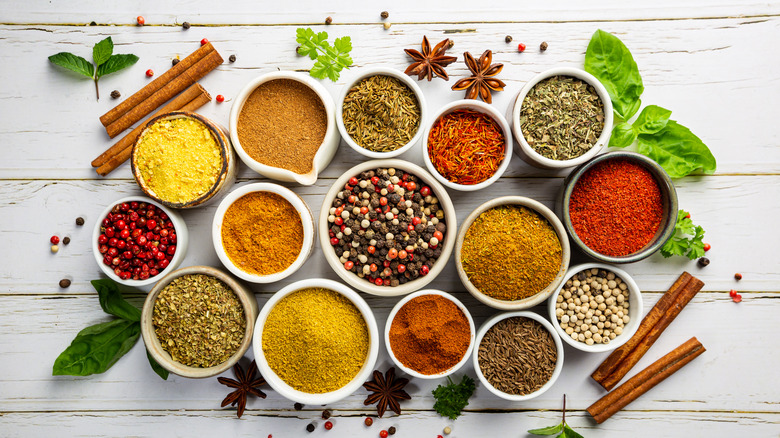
552, 430
623, 135
112, 302
102, 51
677, 150
73, 63
610, 61
652, 119
568, 432
96, 348
162, 372
116, 63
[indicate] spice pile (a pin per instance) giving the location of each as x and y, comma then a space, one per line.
315, 340
137, 240
430, 334
381, 113
511, 252
387, 227
616, 208
262, 233
199, 320
466, 146
282, 124
593, 306
517, 355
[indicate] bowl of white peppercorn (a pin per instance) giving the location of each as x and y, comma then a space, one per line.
598, 308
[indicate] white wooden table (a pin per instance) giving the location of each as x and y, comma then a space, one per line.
714, 63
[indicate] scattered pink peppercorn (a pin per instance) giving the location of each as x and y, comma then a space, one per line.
54, 240
738, 276
368, 421
521, 47
149, 73
328, 425
707, 247
220, 98
140, 20
737, 299
383, 434
204, 41
732, 293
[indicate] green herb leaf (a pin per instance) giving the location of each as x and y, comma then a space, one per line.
73, 63
96, 348
116, 63
112, 302
102, 51
623, 135
552, 430
610, 61
568, 432
680, 245
330, 59
652, 119
451, 399
677, 150
162, 372
309, 41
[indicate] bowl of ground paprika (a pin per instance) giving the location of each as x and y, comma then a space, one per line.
620, 207
429, 334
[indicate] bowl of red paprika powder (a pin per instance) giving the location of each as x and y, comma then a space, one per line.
620, 207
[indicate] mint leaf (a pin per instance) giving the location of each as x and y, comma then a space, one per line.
552, 430
112, 302
330, 60
102, 51
162, 372
116, 63
677, 150
568, 432
623, 135
73, 63
610, 61
96, 348
652, 119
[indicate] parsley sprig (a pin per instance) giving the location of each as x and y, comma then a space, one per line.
562, 428
330, 59
451, 399
686, 240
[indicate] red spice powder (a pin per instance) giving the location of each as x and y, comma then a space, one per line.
615, 207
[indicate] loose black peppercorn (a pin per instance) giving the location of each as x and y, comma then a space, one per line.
310, 427
115, 94
508, 39
92, 23
64, 283
232, 58
65, 240
391, 430
174, 61
543, 46
186, 25
704, 261
298, 406
325, 414
328, 20
79, 221
384, 15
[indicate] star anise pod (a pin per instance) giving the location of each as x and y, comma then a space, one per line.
387, 392
246, 384
481, 81
430, 62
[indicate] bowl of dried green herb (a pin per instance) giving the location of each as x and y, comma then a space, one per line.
512, 252
198, 321
561, 118
379, 113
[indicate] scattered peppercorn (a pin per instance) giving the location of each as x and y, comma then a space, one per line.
325, 414
80, 220
328, 425
220, 98
232, 58
447, 430
383, 434
732, 293
328, 20
738, 276
186, 25
450, 44
439, 436
737, 299
115, 94
543, 46
310, 427
140, 20
65, 240
55, 248
521, 47
707, 247
64, 283
688, 216
149, 73
508, 39
384, 15
54, 240
368, 421
391, 430
92, 23
387, 26
204, 41
174, 61
298, 406
704, 261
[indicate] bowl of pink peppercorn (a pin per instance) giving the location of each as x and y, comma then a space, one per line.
137, 241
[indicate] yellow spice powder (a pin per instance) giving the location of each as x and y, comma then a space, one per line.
315, 340
178, 159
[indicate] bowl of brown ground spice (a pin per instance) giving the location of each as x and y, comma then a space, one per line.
283, 126
263, 232
512, 253
192, 342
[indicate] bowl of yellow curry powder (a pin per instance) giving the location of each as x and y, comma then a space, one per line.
183, 159
512, 253
316, 341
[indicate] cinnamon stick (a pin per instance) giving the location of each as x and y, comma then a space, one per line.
186, 78
141, 95
620, 362
645, 380
121, 151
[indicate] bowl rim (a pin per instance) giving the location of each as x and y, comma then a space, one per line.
182, 241
665, 185
601, 142
152, 343
280, 385
636, 308
364, 285
364, 73
279, 173
401, 304
483, 108
307, 221
224, 152
556, 225
493, 320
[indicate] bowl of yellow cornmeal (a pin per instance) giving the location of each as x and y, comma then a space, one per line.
183, 159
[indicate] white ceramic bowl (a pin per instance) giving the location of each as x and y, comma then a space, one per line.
635, 309
326, 150
474, 105
558, 346
362, 284
527, 153
554, 222
398, 307
384, 71
182, 240
306, 220
153, 346
306, 398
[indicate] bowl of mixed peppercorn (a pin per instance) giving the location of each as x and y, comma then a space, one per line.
386, 227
